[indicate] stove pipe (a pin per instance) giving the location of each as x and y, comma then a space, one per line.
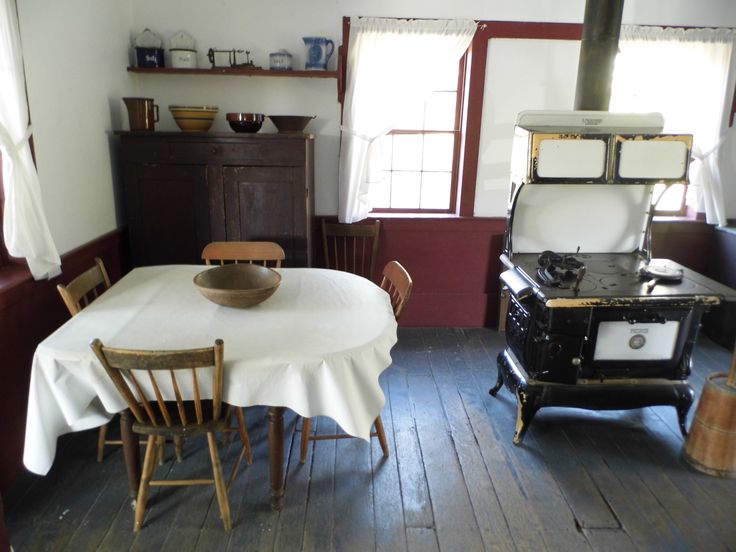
598, 48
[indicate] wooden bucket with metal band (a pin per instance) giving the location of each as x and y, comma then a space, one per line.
711, 443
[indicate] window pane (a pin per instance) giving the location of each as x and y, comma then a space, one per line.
412, 117
407, 154
386, 144
436, 190
440, 114
438, 152
380, 193
446, 76
672, 198
405, 187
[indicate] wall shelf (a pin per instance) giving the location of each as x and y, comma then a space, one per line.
235, 71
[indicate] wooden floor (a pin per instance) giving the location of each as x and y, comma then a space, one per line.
581, 480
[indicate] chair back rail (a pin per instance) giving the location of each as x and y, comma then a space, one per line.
351, 247
261, 252
398, 284
85, 288
126, 367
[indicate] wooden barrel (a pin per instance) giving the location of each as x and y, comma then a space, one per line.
711, 443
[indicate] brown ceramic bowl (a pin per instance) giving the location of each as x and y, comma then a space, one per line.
238, 285
291, 124
245, 122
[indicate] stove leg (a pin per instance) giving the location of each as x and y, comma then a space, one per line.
499, 382
526, 407
686, 397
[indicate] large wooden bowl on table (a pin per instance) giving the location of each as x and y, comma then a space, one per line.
238, 285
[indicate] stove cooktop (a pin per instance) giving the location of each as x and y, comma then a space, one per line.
594, 278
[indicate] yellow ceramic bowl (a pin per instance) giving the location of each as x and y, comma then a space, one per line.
193, 118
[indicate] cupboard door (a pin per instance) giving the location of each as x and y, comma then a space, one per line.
268, 204
168, 213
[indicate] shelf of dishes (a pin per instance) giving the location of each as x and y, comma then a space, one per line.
236, 71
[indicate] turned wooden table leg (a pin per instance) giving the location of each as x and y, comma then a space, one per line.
131, 452
276, 454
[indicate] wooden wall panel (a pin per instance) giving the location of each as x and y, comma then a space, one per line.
29, 311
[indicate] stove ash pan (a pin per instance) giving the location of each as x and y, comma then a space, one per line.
598, 344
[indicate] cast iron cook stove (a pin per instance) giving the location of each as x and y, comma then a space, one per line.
592, 320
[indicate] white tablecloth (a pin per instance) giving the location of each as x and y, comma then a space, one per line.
317, 346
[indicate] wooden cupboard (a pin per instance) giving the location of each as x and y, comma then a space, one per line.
183, 190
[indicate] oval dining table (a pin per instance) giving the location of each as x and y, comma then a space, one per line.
317, 347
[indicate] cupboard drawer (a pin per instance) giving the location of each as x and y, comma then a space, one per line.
286, 152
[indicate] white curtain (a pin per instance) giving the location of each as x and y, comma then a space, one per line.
390, 64
24, 223
683, 74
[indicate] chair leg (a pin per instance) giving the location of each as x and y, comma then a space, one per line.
149, 463
243, 430
161, 450
220, 487
381, 435
306, 423
178, 447
101, 436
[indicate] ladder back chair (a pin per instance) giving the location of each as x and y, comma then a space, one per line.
261, 252
77, 294
397, 283
351, 247
143, 379
264, 253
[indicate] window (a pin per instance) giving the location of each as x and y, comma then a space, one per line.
420, 156
649, 76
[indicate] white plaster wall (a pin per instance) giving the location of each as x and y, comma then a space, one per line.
75, 55
546, 81
76, 52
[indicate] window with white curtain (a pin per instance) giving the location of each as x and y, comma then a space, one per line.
25, 230
418, 157
683, 74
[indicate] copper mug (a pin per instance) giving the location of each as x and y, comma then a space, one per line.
142, 113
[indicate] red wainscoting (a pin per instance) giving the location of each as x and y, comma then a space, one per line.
454, 265
29, 311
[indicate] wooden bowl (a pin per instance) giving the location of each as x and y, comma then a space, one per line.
238, 285
291, 124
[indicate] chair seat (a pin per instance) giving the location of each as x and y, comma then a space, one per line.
179, 430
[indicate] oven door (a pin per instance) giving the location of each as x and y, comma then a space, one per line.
641, 342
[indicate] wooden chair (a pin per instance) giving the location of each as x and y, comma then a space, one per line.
251, 251
141, 377
351, 247
77, 294
397, 283
261, 252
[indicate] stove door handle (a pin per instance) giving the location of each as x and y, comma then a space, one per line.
517, 284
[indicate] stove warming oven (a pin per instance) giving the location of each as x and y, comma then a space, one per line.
592, 321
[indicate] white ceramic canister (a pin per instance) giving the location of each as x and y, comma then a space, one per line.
183, 58
280, 61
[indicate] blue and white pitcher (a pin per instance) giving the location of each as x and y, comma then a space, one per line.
319, 50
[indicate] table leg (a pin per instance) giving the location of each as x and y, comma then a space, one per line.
276, 455
131, 452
